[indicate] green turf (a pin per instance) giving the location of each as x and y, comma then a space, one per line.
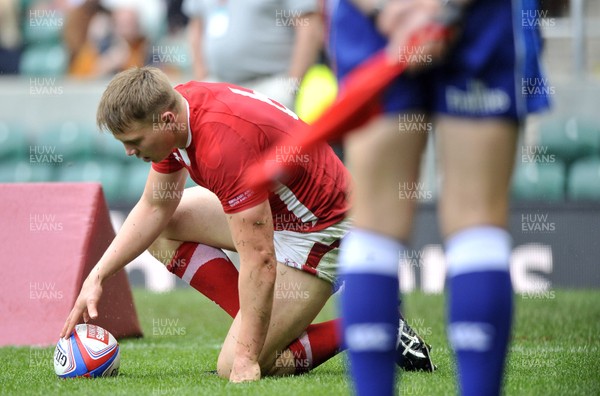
555, 351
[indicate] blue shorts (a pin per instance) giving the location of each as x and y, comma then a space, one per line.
492, 70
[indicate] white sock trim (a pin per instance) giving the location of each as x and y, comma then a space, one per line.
369, 252
475, 249
307, 348
202, 255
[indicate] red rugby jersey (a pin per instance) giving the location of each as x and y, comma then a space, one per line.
230, 127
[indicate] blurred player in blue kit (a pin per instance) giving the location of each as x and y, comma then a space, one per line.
470, 86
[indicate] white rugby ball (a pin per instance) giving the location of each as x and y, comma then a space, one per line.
90, 351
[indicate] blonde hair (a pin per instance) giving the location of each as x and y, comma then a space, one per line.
136, 95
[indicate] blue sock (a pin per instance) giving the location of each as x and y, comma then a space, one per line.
480, 306
369, 305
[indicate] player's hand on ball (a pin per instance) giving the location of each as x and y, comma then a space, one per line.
244, 370
86, 305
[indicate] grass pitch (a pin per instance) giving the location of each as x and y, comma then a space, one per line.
555, 351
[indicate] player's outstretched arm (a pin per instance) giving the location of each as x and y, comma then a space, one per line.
143, 225
252, 232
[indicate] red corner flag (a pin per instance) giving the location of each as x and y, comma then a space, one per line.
352, 108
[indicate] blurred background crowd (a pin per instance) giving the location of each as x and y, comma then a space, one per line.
82, 38
56, 57
268, 45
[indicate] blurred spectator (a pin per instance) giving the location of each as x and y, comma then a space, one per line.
118, 35
171, 53
114, 43
10, 36
176, 19
151, 15
265, 46
555, 8
77, 23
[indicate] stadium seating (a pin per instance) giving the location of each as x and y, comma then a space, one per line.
111, 149
44, 60
15, 150
72, 152
539, 181
584, 179
43, 26
135, 176
44, 53
108, 174
570, 138
87, 155
74, 141
26, 172
13, 142
570, 148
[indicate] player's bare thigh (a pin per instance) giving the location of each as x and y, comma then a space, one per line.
383, 156
476, 159
298, 298
198, 218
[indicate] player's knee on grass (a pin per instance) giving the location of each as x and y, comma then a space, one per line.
298, 298
224, 365
223, 369
282, 364
275, 360
225, 360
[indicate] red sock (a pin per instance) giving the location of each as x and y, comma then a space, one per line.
208, 270
319, 343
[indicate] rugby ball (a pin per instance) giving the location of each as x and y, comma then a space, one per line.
90, 351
